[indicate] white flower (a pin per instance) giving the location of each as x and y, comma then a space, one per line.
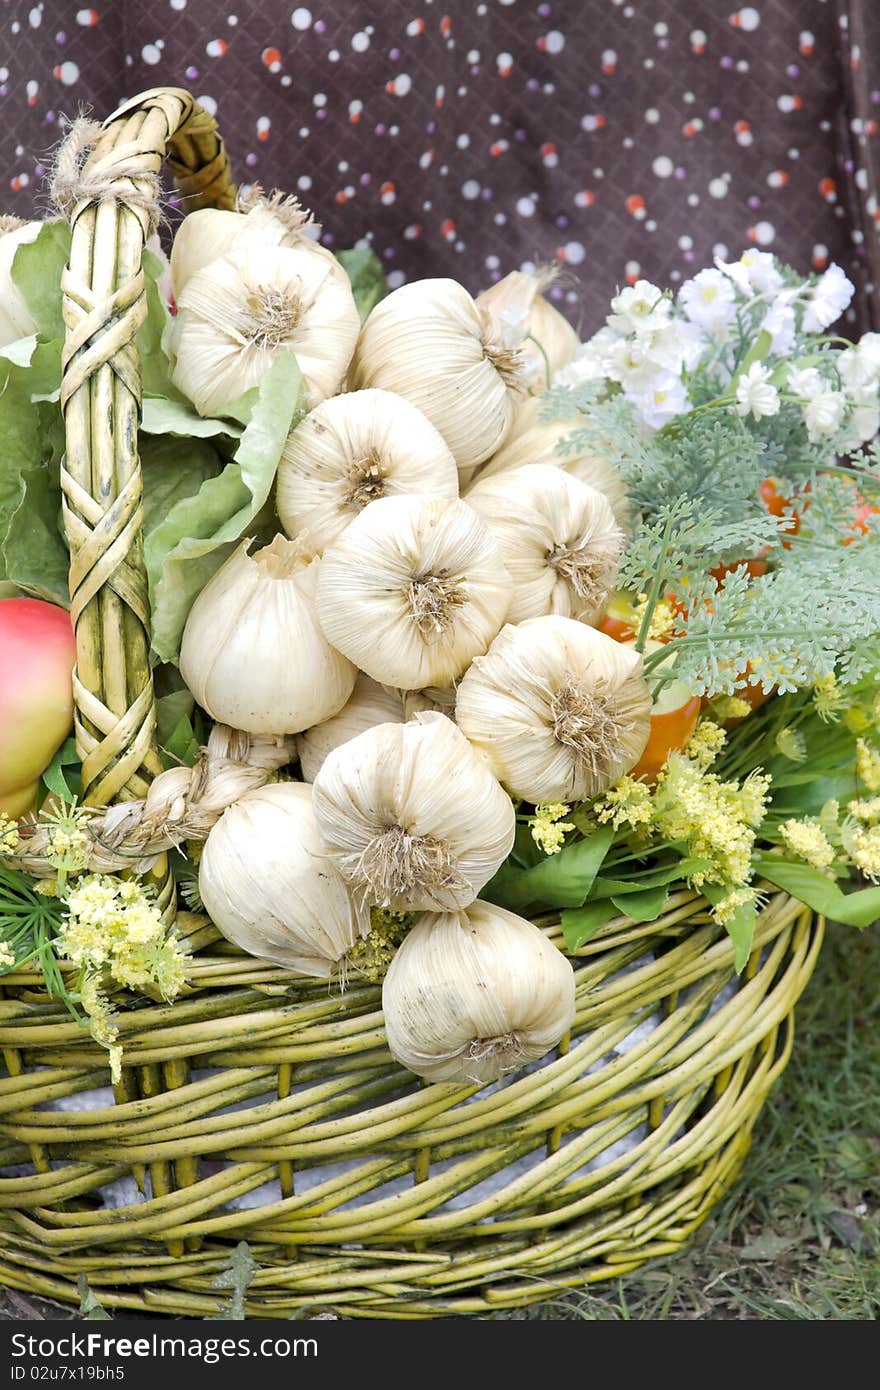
590, 361
629, 363
638, 306
828, 299
806, 382
661, 400
674, 344
823, 414
754, 394
754, 273
859, 366
709, 300
862, 424
779, 322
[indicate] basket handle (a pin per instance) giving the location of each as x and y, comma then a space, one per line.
104, 305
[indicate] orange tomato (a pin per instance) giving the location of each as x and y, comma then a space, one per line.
618, 620
670, 732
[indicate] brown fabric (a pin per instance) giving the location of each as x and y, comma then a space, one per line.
620, 137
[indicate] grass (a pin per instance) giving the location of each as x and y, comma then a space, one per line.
798, 1238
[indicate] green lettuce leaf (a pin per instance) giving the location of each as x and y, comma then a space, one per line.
858, 909
562, 880
37, 270
33, 554
580, 924
187, 544
368, 283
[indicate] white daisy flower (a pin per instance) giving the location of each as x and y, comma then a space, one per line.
828, 299
754, 394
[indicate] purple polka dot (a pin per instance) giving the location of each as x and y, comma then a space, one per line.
394, 54
533, 85
594, 89
487, 194
475, 72
875, 97
4, 90
556, 292
250, 160
364, 180
793, 70
380, 129
754, 201
727, 62
40, 170
388, 253
519, 135
322, 114
50, 117
543, 11
320, 26
562, 222
328, 238
848, 165
662, 43
192, 73
431, 127
61, 37
680, 172
714, 113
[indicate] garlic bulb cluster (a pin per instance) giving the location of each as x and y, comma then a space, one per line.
412, 818
559, 710
522, 316
558, 539
270, 887
253, 652
474, 994
533, 440
428, 341
238, 313
350, 451
369, 704
15, 317
209, 233
413, 590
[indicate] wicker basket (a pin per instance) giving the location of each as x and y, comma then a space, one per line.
264, 1108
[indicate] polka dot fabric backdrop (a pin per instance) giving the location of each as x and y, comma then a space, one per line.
460, 138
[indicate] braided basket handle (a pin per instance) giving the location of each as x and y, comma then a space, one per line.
104, 306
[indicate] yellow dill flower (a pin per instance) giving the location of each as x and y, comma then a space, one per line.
806, 839
102, 1021
712, 817
868, 765
730, 707
662, 622
47, 887
105, 914
547, 827
705, 743
628, 803
856, 720
867, 811
791, 744
69, 841
753, 796
728, 906
7, 956
827, 697
9, 836
160, 963
863, 844
371, 955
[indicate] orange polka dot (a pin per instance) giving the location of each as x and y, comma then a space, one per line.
634, 203
271, 56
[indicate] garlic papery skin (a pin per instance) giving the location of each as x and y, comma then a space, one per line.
350, 451
413, 590
209, 233
559, 710
472, 995
253, 652
523, 317
412, 818
368, 705
533, 440
270, 887
242, 310
429, 342
557, 537
15, 317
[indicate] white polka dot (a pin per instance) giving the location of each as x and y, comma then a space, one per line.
334, 55
402, 84
786, 104
209, 104
492, 262
554, 42
663, 166
473, 56
632, 268
525, 207
396, 279
319, 99
652, 115
470, 189
685, 243
178, 4
35, 17
764, 233
748, 18
717, 188
574, 252
304, 183
661, 30
462, 141
303, 132
504, 60
698, 38
360, 41
720, 250
214, 49
68, 73
693, 200
150, 53
86, 18
301, 18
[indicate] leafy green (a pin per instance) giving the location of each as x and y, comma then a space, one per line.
580, 924
57, 779
33, 555
561, 880
858, 909
154, 363
37, 269
364, 270
189, 543
163, 416
643, 904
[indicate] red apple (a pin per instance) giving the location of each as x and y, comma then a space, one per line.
37, 654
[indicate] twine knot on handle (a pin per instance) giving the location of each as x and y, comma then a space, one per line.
119, 175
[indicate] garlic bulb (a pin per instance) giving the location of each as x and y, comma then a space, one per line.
429, 342
351, 450
559, 710
209, 233
270, 887
533, 440
471, 995
412, 818
412, 590
557, 537
434, 699
253, 653
15, 317
524, 318
369, 704
236, 315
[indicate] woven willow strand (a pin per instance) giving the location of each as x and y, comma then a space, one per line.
104, 306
